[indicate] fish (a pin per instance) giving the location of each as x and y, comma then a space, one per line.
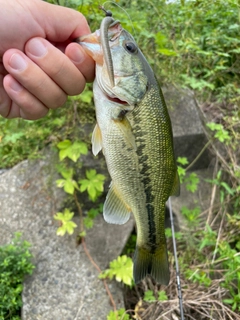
134, 133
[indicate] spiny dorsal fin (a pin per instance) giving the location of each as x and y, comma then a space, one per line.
115, 210
96, 140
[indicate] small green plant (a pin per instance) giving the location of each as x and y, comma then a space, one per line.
191, 180
67, 225
15, 263
150, 297
91, 215
120, 268
191, 215
92, 184
118, 315
162, 296
220, 133
21, 139
199, 276
71, 150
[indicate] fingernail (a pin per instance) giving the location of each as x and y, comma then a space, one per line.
17, 62
36, 48
15, 86
76, 55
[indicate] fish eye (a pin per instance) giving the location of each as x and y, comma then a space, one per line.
130, 47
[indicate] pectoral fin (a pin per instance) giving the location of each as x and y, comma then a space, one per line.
115, 210
126, 129
176, 186
96, 140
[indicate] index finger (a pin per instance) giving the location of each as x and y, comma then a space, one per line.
61, 23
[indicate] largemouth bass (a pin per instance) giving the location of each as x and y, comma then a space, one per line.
134, 132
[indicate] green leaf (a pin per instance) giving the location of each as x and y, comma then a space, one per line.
122, 269
68, 225
182, 160
192, 182
166, 52
69, 186
60, 183
93, 184
162, 296
221, 134
118, 315
91, 174
67, 173
13, 137
88, 222
65, 216
63, 154
71, 150
149, 296
64, 144
227, 188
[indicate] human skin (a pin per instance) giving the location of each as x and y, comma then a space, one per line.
39, 64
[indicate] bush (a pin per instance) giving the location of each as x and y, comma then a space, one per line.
15, 263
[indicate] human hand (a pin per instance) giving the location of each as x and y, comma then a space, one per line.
34, 74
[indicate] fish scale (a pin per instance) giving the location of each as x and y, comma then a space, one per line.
157, 170
134, 132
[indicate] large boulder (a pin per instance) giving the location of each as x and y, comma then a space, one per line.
65, 284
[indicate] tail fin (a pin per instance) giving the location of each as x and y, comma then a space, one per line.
155, 264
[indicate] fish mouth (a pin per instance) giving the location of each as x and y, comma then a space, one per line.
98, 47
117, 100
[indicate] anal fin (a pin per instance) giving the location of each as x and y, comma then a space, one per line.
115, 210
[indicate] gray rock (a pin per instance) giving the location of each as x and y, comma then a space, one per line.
188, 133
65, 284
201, 198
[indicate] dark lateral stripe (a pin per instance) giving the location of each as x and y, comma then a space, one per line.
152, 227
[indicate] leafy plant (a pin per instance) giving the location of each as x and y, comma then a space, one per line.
150, 297
71, 150
118, 315
15, 263
220, 133
67, 183
120, 268
21, 139
91, 215
67, 225
93, 185
191, 180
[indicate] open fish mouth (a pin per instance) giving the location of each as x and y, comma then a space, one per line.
117, 100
